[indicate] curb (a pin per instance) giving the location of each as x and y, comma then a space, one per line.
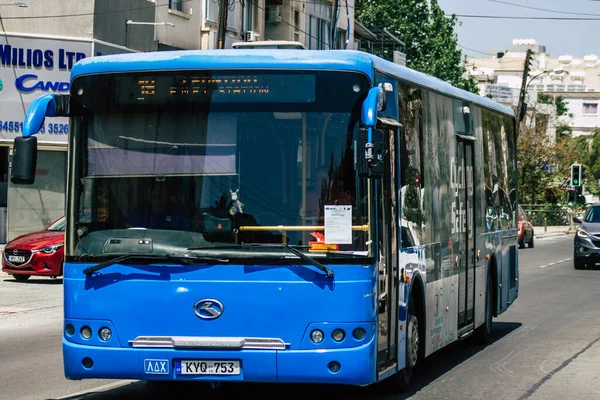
547, 235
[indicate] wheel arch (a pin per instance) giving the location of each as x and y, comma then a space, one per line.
417, 294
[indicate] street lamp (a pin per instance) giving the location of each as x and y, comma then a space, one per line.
16, 3
130, 22
557, 71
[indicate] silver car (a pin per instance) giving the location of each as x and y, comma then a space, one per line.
586, 245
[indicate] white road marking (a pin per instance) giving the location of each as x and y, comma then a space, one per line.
556, 262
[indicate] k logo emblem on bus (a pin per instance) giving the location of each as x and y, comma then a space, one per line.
209, 309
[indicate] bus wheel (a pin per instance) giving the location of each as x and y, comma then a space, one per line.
401, 381
484, 332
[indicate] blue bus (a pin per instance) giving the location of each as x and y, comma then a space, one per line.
277, 216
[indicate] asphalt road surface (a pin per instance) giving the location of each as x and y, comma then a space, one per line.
544, 346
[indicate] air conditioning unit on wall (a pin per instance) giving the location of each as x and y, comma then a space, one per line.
251, 36
273, 15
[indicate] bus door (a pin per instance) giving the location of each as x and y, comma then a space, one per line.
387, 261
464, 227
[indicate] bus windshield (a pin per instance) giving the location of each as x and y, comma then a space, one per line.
181, 160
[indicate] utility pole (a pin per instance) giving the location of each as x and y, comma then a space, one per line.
521, 103
222, 23
334, 26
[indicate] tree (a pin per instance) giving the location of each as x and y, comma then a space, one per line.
537, 156
431, 45
543, 162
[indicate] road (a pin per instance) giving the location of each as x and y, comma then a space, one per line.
544, 345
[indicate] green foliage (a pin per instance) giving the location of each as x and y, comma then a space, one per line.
535, 154
429, 37
562, 132
561, 106
544, 98
584, 150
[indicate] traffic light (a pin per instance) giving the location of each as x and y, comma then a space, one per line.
576, 175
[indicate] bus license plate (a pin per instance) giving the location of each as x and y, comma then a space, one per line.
208, 367
16, 258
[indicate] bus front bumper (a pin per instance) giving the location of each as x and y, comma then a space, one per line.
357, 364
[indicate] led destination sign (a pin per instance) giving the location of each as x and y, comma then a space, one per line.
255, 88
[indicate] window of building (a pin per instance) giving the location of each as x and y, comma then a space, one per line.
319, 24
590, 108
212, 14
176, 5
341, 38
248, 15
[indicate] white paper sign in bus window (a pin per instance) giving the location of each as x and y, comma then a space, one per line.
338, 224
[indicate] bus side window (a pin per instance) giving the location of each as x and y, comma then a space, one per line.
411, 176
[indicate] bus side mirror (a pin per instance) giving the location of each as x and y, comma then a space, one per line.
371, 147
371, 168
24, 160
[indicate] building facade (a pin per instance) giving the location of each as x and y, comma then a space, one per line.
576, 80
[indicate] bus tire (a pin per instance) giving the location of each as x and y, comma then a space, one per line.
483, 334
400, 382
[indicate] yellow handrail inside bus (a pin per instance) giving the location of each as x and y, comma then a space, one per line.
285, 228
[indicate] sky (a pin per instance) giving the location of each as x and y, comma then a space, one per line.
483, 35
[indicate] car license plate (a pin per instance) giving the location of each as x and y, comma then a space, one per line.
207, 367
16, 258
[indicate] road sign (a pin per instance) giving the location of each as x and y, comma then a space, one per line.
566, 185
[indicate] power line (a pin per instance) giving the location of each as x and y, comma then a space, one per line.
475, 51
543, 9
134, 9
524, 18
156, 6
93, 13
294, 26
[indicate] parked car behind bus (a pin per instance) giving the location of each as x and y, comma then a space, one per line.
525, 235
37, 253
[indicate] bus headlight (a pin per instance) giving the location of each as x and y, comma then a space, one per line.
317, 336
105, 334
359, 334
338, 335
86, 332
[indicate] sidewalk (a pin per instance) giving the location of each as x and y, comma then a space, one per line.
549, 231
576, 378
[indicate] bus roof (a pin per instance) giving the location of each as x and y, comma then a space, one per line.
342, 60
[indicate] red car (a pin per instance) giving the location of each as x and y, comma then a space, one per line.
525, 235
38, 253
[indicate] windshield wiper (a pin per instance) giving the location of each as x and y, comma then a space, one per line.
329, 273
154, 257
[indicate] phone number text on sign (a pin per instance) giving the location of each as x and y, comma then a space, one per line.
53, 129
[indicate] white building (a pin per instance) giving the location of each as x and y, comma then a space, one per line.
577, 80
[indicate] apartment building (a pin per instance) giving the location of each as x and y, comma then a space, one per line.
575, 79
